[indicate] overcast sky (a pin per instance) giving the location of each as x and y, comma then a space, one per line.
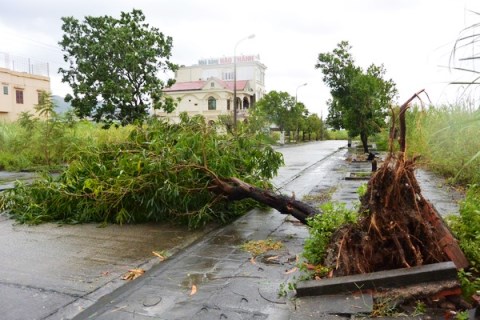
412, 38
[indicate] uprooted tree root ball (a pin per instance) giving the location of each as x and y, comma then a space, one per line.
400, 228
397, 231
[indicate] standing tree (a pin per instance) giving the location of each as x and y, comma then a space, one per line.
274, 108
359, 99
314, 125
114, 66
297, 117
278, 108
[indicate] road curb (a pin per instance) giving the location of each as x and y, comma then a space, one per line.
379, 280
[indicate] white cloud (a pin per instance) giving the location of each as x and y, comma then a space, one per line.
412, 38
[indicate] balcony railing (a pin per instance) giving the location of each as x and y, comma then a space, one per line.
21, 64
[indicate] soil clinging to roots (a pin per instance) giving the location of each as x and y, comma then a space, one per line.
397, 230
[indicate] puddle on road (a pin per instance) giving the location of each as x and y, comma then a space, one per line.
196, 279
234, 239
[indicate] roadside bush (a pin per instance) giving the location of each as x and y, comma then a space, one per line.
382, 140
466, 226
336, 135
32, 144
447, 139
322, 227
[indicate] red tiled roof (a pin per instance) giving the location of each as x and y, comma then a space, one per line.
198, 85
186, 86
241, 84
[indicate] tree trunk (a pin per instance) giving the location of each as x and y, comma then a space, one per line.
235, 189
364, 138
403, 126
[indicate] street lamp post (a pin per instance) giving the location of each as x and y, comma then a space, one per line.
235, 79
296, 95
296, 91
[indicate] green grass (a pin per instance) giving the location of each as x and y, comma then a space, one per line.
466, 226
28, 148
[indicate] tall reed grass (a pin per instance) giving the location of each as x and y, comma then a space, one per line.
448, 140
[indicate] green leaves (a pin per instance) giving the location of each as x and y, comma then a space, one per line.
114, 65
359, 99
322, 227
278, 108
162, 172
466, 226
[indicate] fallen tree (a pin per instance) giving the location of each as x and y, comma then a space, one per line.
187, 172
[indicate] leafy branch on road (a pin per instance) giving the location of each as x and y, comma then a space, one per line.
186, 172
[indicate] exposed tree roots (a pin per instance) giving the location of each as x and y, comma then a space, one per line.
400, 228
396, 232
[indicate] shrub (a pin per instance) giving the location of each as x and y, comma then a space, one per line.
466, 226
322, 227
336, 135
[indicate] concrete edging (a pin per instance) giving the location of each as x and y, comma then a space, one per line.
382, 279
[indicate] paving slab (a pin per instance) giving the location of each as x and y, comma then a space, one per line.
340, 305
444, 197
62, 270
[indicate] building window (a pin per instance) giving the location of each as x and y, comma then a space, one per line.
19, 96
212, 85
227, 76
5, 90
212, 103
246, 104
228, 104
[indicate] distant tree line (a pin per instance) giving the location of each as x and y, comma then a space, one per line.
279, 111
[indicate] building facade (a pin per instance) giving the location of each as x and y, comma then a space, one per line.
207, 88
20, 89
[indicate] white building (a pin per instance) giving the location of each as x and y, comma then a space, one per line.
207, 87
